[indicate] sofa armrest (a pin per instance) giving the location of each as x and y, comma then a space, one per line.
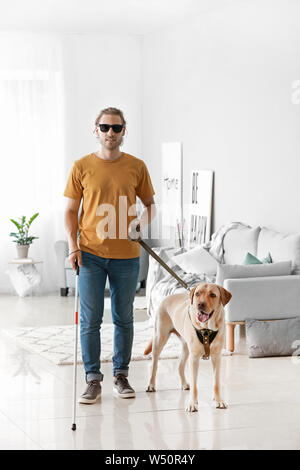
61, 250
264, 298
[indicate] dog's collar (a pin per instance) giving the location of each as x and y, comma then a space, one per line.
205, 336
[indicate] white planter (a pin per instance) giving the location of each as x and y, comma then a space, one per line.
22, 251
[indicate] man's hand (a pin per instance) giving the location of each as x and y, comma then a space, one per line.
73, 256
134, 230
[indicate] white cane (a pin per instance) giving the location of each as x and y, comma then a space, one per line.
75, 348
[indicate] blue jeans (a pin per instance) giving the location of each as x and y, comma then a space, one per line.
123, 277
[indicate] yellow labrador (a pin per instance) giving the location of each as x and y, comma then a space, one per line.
198, 320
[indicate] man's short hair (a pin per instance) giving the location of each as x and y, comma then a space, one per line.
113, 111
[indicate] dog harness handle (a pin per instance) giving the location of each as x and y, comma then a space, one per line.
206, 337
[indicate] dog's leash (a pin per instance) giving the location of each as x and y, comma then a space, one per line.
158, 259
205, 335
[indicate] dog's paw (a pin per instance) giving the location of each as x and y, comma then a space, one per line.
192, 406
219, 404
151, 388
185, 386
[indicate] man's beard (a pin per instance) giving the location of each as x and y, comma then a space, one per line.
112, 145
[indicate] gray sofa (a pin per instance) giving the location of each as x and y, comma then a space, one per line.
66, 275
263, 292
261, 297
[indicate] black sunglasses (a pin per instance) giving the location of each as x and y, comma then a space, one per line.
117, 128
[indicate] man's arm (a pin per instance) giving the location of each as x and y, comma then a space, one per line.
149, 212
71, 227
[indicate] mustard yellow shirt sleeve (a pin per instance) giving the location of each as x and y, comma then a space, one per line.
144, 188
74, 187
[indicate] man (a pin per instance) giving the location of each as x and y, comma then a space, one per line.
108, 181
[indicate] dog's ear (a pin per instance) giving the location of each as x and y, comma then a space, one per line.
225, 295
192, 294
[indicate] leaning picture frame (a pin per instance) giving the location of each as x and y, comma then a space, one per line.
200, 207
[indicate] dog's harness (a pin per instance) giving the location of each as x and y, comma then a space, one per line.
206, 337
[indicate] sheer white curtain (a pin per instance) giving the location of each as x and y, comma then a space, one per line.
31, 147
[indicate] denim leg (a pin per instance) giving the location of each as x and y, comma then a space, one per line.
91, 285
123, 277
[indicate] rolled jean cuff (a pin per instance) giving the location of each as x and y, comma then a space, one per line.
120, 371
93, 376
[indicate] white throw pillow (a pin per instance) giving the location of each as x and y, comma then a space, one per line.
196, 260
237, 242
236, 271
280, 246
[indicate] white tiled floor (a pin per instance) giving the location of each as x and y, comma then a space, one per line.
36, 398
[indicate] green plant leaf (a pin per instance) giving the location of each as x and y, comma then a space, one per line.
32, 219
23, 227
29, 239
16, 223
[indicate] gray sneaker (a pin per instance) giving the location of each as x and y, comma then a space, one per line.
122, 388
92, 393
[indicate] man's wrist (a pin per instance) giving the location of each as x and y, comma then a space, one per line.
73, 246
74, 251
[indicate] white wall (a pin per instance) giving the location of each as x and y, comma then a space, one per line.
101, 70
222, 84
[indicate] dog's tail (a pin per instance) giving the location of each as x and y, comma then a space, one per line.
149, 345
148, 348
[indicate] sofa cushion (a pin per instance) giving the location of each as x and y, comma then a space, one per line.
267, 259
282, 247
237, 271
251, 259
239, 241
272, 338
196, 260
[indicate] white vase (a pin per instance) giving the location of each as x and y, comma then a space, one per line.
22, 251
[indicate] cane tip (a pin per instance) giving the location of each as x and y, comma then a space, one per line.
73, 427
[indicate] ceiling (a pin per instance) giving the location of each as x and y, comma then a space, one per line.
110, 16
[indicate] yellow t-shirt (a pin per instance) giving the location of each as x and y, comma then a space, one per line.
104, 229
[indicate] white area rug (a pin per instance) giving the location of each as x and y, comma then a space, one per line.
56, 343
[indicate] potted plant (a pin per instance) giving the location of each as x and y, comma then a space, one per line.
22, 239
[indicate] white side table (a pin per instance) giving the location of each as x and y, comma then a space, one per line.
24, 279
